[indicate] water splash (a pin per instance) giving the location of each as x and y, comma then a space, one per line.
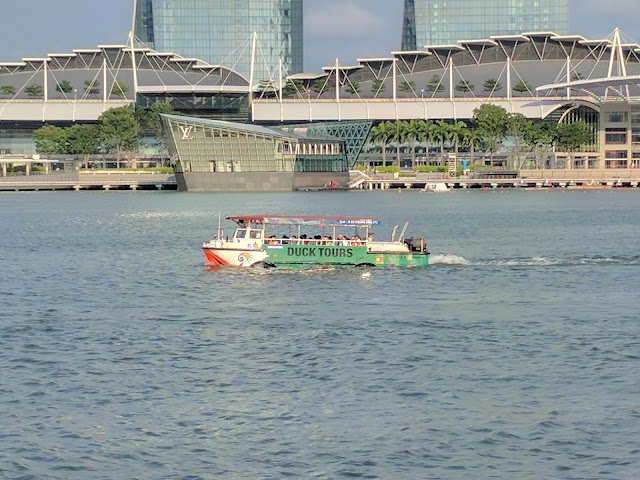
541, 261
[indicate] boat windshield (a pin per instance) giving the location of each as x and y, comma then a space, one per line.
248, 233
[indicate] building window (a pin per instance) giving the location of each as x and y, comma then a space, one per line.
635, 135
619, 154
617, 117
615, 136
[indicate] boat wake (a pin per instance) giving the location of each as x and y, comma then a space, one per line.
456, 260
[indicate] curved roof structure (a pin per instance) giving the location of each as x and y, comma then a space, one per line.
82, 84
531, 59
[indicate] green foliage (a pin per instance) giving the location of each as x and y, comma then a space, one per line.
492, 85
119, 88
34, 90
319, 86
493, 123
353, 87
82, 140
64, 87
50, 140
465, 87
119, 130
293, 88
407, 86
92, 87
266, 89
7, 90
149, 121
522, 86
435, 85
378, 86
389, 169
432, 168
570, 137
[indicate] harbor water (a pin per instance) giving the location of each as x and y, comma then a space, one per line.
515, 355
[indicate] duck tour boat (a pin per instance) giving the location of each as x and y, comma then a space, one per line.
312, 241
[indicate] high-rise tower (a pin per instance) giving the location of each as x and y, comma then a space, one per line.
434, 22
215, 31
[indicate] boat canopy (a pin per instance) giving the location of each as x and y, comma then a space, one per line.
321, 221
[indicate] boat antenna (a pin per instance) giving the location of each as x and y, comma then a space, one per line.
219, 225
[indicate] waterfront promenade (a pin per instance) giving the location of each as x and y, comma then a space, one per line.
572, 179
90, 180
529, 179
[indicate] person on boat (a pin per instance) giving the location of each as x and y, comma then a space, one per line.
273, 240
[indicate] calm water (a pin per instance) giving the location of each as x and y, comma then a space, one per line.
515, 356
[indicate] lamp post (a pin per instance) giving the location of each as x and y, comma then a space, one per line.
75, 98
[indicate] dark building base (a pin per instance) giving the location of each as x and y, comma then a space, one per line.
259, 181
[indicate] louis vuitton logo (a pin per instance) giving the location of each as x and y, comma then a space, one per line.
186, 132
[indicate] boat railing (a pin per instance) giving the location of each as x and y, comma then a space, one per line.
315, 241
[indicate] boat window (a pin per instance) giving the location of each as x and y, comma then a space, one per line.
241, 233
255, 234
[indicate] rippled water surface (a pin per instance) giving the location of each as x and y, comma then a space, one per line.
515, 356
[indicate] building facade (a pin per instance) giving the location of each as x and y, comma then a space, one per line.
213, 155
442, 22
220, 32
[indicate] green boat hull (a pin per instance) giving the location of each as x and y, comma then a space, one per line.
340, 256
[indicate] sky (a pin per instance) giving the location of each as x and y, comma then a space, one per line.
344, 29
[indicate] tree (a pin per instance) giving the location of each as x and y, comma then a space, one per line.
428, 134
319, 86
34, 90
150, 123
435, 85
92, 87
119, 88
410, 131
465, 87
64, 87
442, 133
397, 137
8, 90
456, 134
377, 87
293, 88
50, 140
522, 86
540, 138
519, 127
82, 140
266, 89
493, 124
149, 120
381, 134
472, 139
492, 85
571, 137
119, 131
353, 87
408, 86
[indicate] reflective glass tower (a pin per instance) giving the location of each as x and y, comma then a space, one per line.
219, 31
433, 22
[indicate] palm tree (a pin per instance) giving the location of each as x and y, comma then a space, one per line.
381, 134
472, 139
410, 132
442, 133
456, 134
398, 138
428, 134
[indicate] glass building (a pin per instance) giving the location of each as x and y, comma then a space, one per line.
219, 32
442, 22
